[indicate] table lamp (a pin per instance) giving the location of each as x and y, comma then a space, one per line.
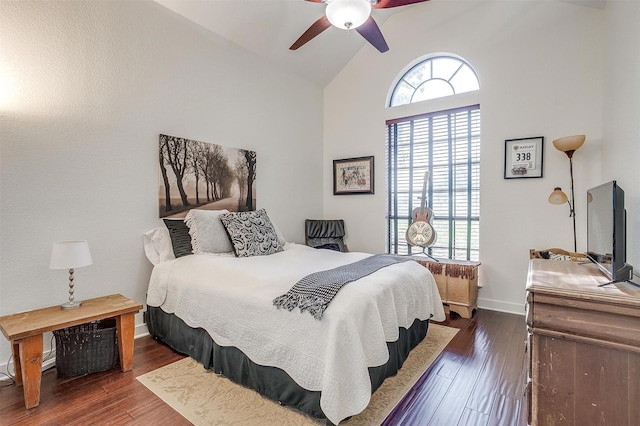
69, 255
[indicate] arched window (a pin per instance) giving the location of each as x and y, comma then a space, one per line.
444, 143
434, 77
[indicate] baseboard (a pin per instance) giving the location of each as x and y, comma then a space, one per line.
496, 305
141, 330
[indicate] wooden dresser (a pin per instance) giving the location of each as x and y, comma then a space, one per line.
583, 346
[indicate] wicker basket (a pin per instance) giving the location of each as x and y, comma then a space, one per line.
86, 348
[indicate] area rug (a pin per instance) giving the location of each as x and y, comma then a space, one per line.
205, 398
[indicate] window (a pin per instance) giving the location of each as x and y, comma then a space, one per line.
434, 77
447, 145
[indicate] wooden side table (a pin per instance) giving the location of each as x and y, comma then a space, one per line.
24, 331
457, 284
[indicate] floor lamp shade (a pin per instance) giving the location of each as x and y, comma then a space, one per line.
558, 197
569, 143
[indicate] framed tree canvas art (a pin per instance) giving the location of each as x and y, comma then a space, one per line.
195, 174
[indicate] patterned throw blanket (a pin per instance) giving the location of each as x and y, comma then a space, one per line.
314, 292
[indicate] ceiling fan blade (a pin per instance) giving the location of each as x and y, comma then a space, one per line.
386, 4
316, 28
371, 32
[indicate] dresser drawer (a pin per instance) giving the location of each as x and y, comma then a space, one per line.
585, 320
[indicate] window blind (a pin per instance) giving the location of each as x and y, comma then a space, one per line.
447, 144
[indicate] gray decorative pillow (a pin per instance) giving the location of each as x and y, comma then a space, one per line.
251, 233
207, 233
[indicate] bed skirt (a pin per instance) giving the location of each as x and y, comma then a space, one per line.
271, 382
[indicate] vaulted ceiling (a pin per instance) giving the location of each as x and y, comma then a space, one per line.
269, 27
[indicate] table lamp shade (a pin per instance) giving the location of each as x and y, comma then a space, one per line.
70, 254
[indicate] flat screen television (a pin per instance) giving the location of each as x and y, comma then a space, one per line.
606, 231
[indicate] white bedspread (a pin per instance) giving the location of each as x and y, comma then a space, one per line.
231, 298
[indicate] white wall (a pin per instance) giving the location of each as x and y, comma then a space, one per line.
621, 134
540, 66
86, 89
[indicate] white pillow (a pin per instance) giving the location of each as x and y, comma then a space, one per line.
208, 235
157, 245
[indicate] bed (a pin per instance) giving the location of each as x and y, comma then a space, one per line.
218, 308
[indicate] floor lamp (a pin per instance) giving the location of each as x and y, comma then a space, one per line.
568, 145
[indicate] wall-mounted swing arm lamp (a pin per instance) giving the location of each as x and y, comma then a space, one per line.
568, 145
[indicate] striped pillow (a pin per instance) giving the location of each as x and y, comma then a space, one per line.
180, 238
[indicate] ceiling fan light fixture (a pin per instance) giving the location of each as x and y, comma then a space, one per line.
348, 14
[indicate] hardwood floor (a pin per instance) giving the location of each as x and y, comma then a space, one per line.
477, 380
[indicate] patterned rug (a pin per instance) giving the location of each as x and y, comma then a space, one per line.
205, 398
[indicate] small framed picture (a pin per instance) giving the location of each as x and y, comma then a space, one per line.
523, 157
353, 176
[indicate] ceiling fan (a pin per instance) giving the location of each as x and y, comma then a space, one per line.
352, 14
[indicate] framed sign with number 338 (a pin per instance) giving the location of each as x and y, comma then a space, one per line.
523, 157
